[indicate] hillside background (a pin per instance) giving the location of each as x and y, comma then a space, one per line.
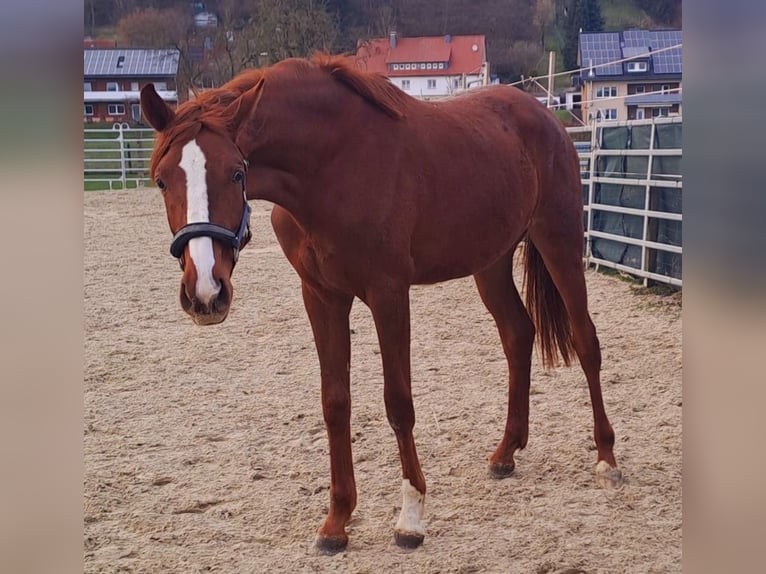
257, 32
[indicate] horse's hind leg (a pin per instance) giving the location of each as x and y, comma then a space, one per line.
560, 247
517, 333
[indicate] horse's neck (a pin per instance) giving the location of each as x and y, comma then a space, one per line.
282, 155
298, 136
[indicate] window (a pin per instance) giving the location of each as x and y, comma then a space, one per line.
88, 109
422, 66
116, 109
431, 84
660, 112
135, 112
640, 114
120, 61
112, 87
638, 66
87, 87
441, 65
665, 89
160, 86
429, 66
133, 86
606, 92
456, 83
606, 114
407, 66
640, 89
405, 84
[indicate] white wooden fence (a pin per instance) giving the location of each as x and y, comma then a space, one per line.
117, 156
631, 181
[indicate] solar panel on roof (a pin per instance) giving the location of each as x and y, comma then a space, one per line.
603, 48
134, 62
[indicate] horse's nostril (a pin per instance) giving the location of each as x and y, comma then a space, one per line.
186, 297
223, 297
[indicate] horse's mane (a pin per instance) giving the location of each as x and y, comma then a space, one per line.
374, 88
211, 108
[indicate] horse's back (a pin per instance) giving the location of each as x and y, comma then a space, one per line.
485, 159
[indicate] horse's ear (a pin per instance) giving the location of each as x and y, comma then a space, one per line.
155, 110
239, 110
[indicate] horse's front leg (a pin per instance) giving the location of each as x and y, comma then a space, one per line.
328, 313
391, 312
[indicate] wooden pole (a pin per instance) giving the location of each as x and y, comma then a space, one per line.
551, 66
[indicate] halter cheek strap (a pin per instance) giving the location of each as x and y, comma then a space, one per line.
204, 229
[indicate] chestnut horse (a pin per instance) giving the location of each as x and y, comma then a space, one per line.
374, 191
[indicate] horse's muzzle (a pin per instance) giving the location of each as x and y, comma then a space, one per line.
207, 313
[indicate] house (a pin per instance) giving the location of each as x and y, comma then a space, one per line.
634, 74
113, 79
430, 66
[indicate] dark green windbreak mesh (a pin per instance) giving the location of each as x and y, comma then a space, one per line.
662, 199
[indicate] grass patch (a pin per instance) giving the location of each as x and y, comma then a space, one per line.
664, 298
621, 275
656, 296
114, 185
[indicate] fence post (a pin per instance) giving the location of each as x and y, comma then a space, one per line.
591, 194
649, 170
121, 140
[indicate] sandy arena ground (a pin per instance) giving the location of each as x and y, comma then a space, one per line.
205, 448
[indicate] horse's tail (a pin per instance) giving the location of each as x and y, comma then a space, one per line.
547, 309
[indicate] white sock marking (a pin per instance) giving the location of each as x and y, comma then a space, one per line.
411, 517
200, 248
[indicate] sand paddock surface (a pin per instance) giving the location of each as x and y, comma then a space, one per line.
205, 448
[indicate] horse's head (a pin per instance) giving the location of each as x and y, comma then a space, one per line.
201, 175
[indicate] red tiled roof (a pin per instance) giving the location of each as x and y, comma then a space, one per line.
419, 50
375, 55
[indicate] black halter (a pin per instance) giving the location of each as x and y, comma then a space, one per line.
204, 229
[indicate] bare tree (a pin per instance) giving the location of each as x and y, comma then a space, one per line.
523, 57
166, 28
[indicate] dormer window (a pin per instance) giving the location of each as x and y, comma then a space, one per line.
638, 66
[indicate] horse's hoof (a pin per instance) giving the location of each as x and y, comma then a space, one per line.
501, 469
408, 540
607, 476
329, 545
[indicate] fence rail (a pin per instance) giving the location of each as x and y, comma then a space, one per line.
630, 173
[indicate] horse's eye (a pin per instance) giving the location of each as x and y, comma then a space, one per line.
161, 184
238, 176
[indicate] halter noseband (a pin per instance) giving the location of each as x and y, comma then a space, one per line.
204, 229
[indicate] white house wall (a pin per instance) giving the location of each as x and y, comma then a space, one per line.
418, 87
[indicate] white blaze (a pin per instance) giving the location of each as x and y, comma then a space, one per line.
200, 248
411, 517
